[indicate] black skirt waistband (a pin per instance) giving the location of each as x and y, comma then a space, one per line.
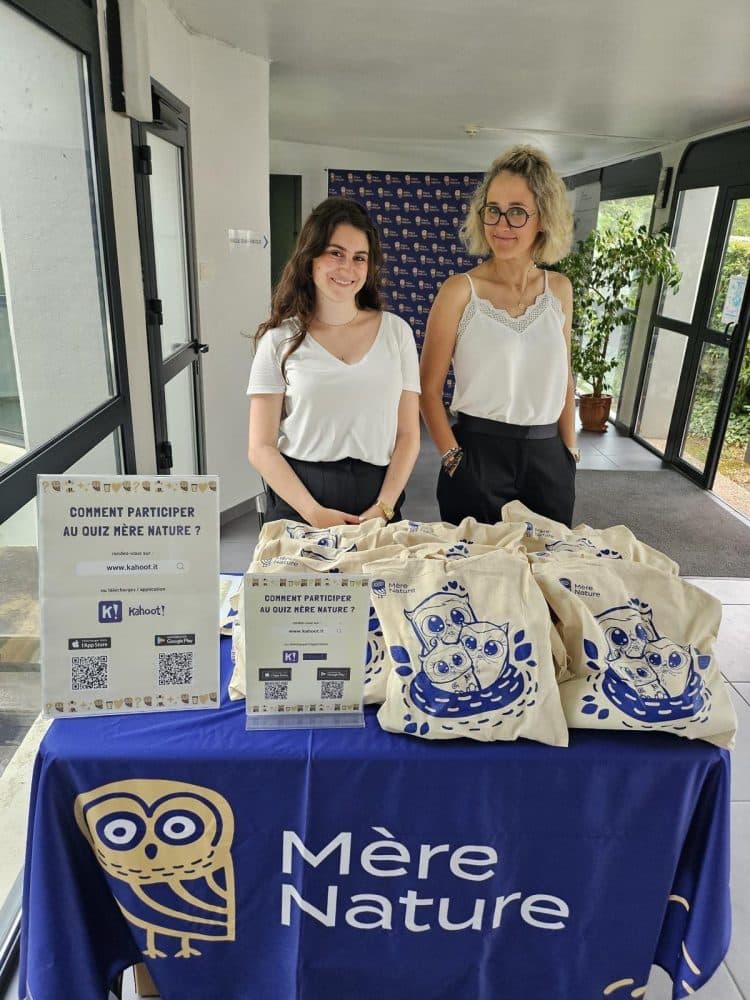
481, 425
345, 464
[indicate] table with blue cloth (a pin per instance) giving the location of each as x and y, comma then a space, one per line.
332, 864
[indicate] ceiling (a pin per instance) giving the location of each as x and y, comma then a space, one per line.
591, 81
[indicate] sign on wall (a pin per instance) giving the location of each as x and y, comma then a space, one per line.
418, 216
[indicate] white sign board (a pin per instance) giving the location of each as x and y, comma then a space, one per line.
129, 594
733, 300
305, 648
243, 239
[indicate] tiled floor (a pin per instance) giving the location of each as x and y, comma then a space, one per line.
611, 450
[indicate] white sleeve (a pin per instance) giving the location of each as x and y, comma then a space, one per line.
409, 358
265, 373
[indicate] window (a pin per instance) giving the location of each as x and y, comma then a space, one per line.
62, 371
63, 381
640, 209
623, 187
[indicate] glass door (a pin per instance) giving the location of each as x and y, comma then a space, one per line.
163, 186
699, 333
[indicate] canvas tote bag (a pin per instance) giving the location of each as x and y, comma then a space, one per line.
293, 538
546, 539
640, 645
445, 551
468, 641
467, 532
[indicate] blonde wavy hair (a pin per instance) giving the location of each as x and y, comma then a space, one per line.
555, 216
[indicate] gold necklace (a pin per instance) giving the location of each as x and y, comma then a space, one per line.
339, 325
525, 286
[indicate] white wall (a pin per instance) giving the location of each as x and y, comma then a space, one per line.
313, 163
227, 93
230, 170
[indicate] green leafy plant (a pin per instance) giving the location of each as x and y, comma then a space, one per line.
606, 271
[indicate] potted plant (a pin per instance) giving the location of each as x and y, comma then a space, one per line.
606, 271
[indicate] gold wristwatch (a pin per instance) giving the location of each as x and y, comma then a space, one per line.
388, 512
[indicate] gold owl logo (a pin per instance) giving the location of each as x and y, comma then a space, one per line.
167, 844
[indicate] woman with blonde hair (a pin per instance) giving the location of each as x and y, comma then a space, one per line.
334, 384
506, 325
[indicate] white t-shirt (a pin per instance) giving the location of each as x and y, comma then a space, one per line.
334, 410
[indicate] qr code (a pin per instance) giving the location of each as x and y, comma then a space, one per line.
175, 668
89, 673
331, 689
276, 690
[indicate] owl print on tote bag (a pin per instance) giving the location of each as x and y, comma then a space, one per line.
469, 650
640, 646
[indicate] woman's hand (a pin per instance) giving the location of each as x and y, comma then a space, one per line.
329, 517
370, 513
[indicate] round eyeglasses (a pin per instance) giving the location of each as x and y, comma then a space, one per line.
516, 217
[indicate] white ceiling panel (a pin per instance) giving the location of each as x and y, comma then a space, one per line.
592, 81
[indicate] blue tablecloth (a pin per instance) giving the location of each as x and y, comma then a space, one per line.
408, 870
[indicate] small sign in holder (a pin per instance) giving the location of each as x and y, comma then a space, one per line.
305, 647
129, 594
735, 293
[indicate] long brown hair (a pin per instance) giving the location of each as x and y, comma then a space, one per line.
294, 295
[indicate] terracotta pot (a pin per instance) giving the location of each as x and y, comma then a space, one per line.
594, 411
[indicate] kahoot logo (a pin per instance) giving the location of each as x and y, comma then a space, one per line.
110, 611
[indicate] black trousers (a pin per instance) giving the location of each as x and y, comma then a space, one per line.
348, 485
504, 462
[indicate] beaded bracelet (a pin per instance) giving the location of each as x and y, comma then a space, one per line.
451, 459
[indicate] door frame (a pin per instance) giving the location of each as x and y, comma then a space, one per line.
296, 185
698, 334
172, 124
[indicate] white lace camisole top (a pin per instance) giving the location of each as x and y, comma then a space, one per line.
511, 368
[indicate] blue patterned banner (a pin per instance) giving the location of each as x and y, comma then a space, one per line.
418, 216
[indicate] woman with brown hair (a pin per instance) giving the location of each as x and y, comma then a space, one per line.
506, 327
334, 385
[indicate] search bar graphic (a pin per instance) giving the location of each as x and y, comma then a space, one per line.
133, 567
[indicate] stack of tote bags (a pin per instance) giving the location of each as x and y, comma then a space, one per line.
523, 628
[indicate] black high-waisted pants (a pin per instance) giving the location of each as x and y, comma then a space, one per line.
503, 462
